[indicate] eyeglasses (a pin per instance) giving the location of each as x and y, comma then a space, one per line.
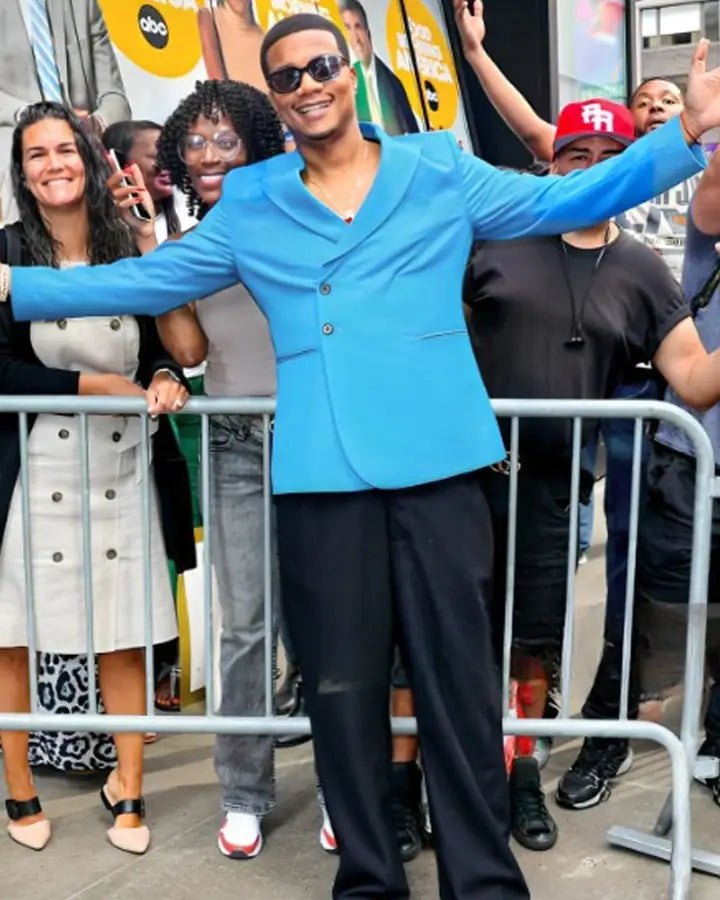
226, 144
321, 69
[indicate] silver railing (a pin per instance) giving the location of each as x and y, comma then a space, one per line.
676, 813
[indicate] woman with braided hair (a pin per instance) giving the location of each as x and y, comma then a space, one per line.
220, 126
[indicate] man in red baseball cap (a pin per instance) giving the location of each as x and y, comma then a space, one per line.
590, 118
553, 318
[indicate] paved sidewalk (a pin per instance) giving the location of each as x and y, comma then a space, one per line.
182, 798
184, 863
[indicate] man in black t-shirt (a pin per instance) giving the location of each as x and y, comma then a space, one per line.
564, 317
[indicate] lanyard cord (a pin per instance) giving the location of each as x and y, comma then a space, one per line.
576, 339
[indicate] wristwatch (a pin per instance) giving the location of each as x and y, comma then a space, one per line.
175, 377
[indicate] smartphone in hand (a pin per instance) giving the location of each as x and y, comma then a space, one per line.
118, 161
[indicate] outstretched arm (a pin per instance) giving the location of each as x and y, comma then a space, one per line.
199, 264
537, 134
505, 205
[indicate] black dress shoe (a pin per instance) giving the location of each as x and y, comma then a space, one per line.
287, 697
530, 822
283, 741
406, 782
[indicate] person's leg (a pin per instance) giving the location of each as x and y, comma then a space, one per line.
406, 774
15, 698
335, 581
121, 676
586, 511
442, 550
662, 534
243, 763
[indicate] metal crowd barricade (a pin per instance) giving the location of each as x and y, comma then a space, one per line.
682, 751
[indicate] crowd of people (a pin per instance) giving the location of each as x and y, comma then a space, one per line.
317, 275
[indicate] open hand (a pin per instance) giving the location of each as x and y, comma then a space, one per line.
165, 395
470, 25
702, 97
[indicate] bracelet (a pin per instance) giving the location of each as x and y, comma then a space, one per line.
688, 134
4, 282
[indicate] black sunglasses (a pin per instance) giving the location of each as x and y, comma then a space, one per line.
322, 68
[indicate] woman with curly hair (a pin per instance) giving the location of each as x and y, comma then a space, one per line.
68, 218
220, 126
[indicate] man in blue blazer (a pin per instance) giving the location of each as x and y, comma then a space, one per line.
355, 248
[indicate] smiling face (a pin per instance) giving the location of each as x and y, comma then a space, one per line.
315, 111
206, 169
654, 104
52, 167
144, 153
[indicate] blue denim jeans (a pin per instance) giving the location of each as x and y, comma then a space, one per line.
586, 511
244, 764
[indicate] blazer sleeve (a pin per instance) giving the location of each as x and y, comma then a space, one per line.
200, 263
504, 205
111, 102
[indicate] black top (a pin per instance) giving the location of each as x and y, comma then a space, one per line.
22, 373
522, 318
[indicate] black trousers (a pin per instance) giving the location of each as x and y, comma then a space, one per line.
358, 572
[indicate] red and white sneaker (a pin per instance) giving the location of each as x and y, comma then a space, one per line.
240, 836
327, 835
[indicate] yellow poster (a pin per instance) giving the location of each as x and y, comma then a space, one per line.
434, 60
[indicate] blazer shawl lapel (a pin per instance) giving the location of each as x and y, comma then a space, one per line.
398, 162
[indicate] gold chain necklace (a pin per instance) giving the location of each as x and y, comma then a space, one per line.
346, 212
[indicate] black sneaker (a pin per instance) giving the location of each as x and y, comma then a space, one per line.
587, 782
710, 748
530, 822
406, 779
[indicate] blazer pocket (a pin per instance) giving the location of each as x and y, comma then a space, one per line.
286, 357
431, 335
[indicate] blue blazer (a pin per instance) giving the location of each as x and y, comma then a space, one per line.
377, 384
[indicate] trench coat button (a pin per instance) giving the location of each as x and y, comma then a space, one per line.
62, 323
63, 434
111, 554
116, 436
57, 557
325, 288
110, 494
327, 328
115, 324
56, 496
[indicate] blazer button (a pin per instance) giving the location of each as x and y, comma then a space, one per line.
63, 434
327, 328
110, 494
56, 496
57, 557
116, 436
62, 323
115, 324
325, 289
111, 554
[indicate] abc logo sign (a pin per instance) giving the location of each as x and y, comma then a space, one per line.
153, 26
